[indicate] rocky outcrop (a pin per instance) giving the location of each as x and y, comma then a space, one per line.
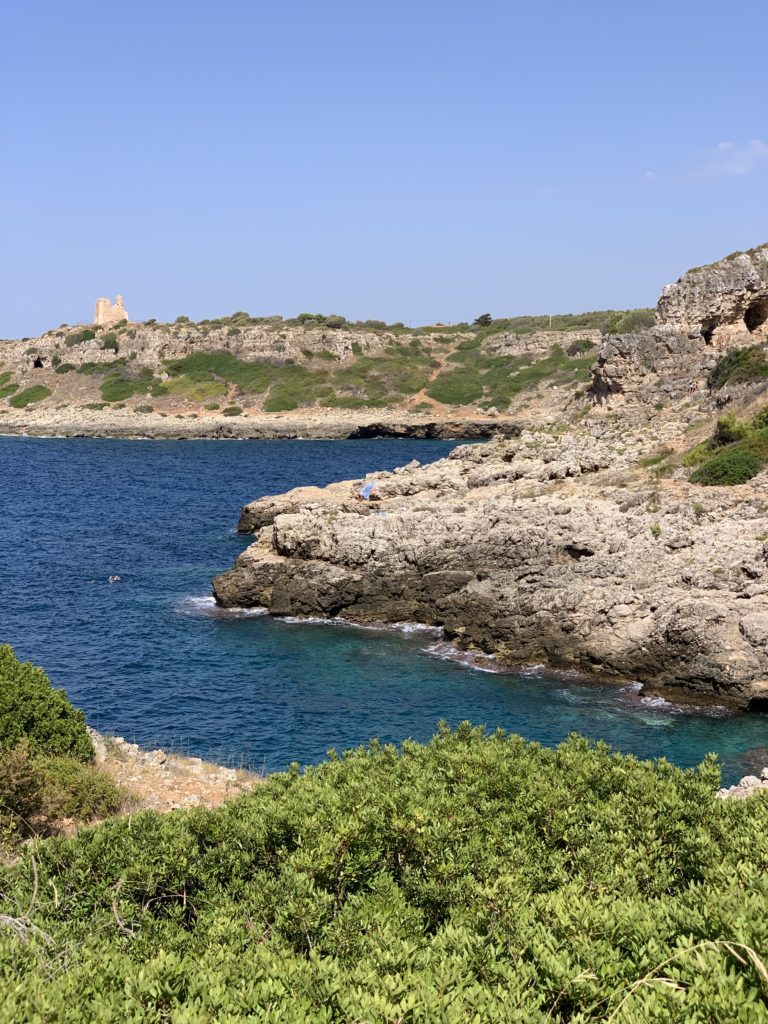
535, 550
747, 786
706, 312
721, 301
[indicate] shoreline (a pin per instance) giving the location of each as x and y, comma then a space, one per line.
267, 427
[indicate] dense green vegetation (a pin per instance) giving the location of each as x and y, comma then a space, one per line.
475, 879
6, 386
45, 757
736, 452
497, 379
607, 321
370, 380
31, 708
78, 337
739, 366
36, 393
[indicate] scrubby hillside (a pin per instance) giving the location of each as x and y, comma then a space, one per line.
240, 364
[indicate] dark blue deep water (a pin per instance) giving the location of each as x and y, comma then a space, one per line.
150, 659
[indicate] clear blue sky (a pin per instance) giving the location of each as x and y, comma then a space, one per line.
413, 161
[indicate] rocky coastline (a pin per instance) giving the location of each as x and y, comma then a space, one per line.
561, 545
311, 425
162, 780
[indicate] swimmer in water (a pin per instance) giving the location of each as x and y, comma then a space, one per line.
115, 579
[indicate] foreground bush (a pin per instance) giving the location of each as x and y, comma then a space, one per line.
474, 879
45, 750
31, 709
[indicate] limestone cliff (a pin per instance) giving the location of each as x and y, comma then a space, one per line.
707, 312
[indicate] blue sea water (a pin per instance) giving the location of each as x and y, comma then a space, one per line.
151, 659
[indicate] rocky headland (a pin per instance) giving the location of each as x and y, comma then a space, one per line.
588, 544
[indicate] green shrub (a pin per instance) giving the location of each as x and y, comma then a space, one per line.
144, 408
117, 389
8, 389
106, 366
210, 406
30, 708
729, 467
760, 420
96, 405
456, 387
698, 454
196, 386
76, 790
756, 443
631, 321
37, 791
232, 410
29, 395
109, 342
728, 429
78, 337
474, 879
580, 346
741, 365
55, 360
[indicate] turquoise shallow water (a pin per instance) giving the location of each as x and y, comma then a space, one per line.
151, 659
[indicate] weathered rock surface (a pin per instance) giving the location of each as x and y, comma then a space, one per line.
745, 787
730, 294
538, 549
706, 312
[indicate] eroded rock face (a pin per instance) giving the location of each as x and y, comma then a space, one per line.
706, 312
725, 298
532, 549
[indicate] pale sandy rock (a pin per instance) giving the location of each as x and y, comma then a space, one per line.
107, 313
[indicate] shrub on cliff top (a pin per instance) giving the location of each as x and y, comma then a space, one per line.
31, 708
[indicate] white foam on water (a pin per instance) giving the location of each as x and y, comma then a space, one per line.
447, 651
204, 606
375, 627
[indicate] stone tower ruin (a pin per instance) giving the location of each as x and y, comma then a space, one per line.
106, 313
